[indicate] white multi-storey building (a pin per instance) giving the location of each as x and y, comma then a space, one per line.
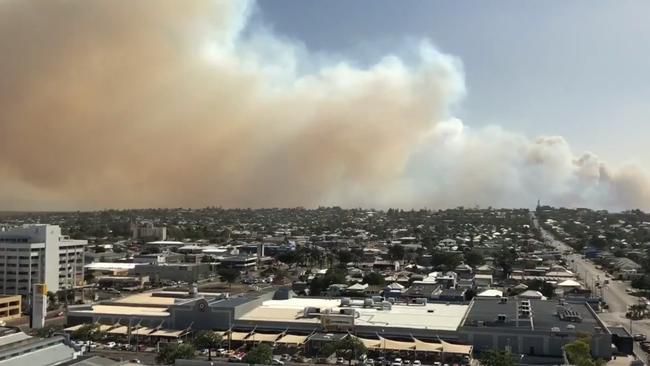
39, 254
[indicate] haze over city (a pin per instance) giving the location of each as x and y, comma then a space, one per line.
241, 104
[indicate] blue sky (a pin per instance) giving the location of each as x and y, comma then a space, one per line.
579, 69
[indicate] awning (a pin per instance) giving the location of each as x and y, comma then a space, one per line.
395, 345
168, 333
261, 337
292, 339
370, 343
426, 346
458, 349
74, 328
119, 330
142, 331
238, 336
106, 328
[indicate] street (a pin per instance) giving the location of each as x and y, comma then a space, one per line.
612, 293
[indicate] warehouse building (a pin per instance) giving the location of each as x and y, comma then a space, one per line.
530, 327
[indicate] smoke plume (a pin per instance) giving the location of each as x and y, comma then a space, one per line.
167, 103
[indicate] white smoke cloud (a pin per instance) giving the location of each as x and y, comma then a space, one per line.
156, 103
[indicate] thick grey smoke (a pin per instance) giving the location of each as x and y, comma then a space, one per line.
167, 103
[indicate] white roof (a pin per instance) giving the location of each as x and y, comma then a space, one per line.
358, 286
570, 283
165, 242
531, 294
441, 317
491, 293
110, 265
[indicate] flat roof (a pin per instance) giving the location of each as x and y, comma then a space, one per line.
430, 316
124, 310
110, 265
147, 298
544, 315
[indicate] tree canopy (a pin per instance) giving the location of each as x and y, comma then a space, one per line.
207, 339
88, 332
349, 348
170, 352
497, 357
260, 354
229, 275
396, 252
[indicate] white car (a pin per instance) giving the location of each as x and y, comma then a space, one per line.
277, 362
397, 362
417, 363
110, 345
369, 362
340, 361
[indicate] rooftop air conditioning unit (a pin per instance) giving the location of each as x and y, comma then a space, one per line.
368, 303
345, 301
503, 300
502, 318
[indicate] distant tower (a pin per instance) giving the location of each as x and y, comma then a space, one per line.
538, 205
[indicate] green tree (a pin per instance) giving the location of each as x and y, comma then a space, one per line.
497, 357
345, 256
579, 351
542, 286
207, 339
349, 348
88, 332
473, 258
48, 331
229, 275
374, 279
504, 259
171, 352
261, 354
396, 252
289, 258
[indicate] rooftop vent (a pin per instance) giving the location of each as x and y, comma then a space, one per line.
502, 318
345, 301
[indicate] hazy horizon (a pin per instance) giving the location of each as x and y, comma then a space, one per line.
284, 104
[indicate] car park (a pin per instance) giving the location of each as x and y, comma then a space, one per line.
277, 362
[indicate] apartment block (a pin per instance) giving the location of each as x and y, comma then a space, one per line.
39, 253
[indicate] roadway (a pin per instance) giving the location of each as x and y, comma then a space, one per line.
613, 293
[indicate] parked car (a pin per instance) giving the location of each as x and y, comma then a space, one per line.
340, 361
110, 345
222, 352
285, 357
640, 337
397, 362
369, 362
417, 363
277, 362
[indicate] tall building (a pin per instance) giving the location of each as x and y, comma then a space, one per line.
146, 230
34, 254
